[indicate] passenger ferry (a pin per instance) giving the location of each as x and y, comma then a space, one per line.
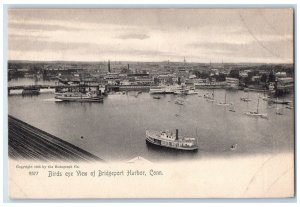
170, 89
210, 85
169, 140
80, 97
181, 90
157, 89
164, 89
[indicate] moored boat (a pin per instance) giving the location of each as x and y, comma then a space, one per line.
191, 92
179, 101
31, 90
79, 97
164, 89
170, 140
256, 113
231, 107
170, 89
210, 85
224, 103
212, 97
245, 99
181, 91
277, 101
265, 98
157, 89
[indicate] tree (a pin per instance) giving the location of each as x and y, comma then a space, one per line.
263, 78
221, 77
271, 76
234, 73
156, 81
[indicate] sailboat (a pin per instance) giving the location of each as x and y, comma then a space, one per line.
256, 113
206, 95
277, 101
278, 111
231, 107
179, 101
233, 147
265, 98
223, 103
212, 97
246, 99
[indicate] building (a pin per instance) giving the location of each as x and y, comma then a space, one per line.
243, 74
284, 85
232, 83
255, 78
280, 74
214, 72
166, 79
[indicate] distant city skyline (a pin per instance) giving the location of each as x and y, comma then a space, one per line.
151, 35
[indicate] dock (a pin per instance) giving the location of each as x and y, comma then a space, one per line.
22, 87
30, 143
107, 87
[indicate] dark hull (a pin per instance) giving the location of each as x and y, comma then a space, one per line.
158, 143
281, 102
30, 92
81, 100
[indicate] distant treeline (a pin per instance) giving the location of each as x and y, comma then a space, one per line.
270, 71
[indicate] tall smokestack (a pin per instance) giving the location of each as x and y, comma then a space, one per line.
176, 134
108, 65
128, 67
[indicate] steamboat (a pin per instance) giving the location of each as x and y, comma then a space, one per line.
169, 140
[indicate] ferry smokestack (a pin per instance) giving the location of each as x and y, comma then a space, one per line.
176, 133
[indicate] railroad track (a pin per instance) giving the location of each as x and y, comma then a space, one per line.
28, 142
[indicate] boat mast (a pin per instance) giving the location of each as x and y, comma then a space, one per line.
225, 96
257, 105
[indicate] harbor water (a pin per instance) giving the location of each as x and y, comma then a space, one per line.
115, 129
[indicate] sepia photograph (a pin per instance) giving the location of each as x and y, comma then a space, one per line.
151, 102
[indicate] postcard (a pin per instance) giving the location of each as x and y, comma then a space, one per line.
151, 103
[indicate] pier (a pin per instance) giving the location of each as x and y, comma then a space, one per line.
22, 87
145, 88
28, 142
107, 87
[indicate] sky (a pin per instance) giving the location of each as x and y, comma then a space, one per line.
199, 35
